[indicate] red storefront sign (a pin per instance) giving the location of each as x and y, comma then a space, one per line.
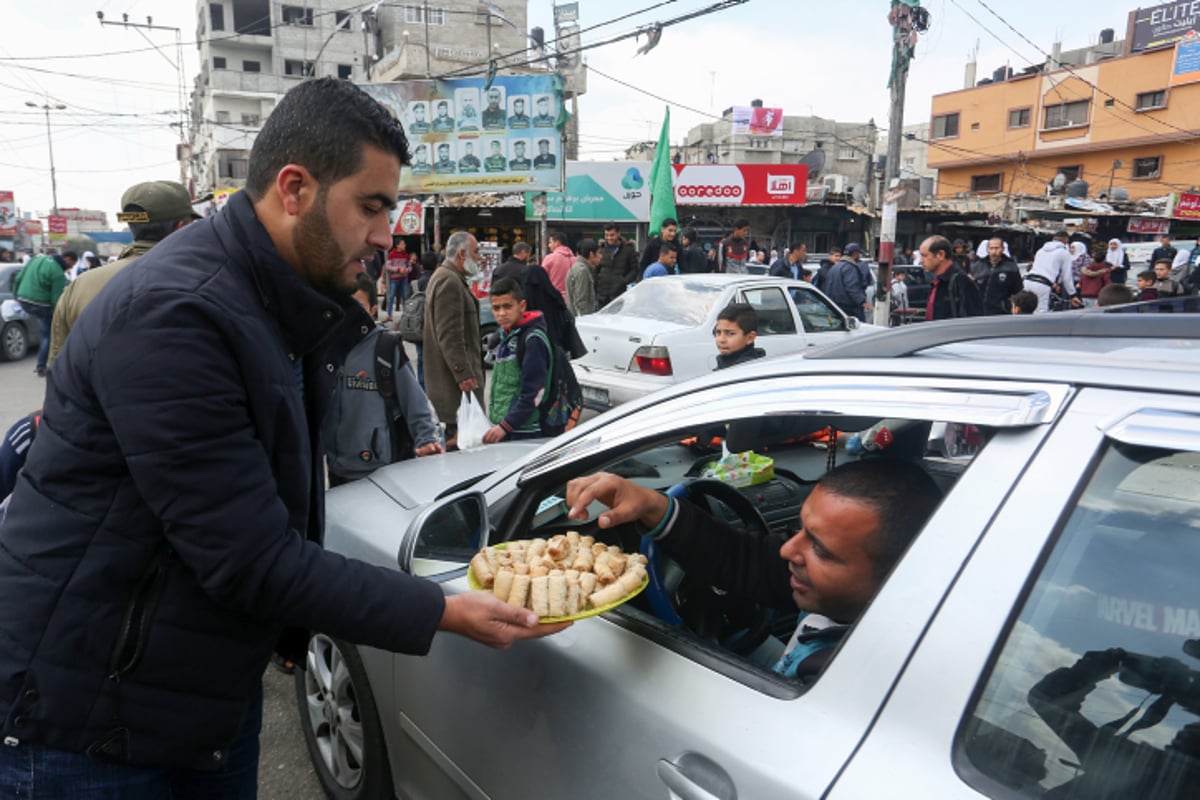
741, 184
1149, 225
1188, 206
410, 219
57, 227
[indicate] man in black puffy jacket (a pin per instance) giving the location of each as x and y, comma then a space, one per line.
165, 533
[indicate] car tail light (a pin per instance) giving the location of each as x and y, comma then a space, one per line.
651, 361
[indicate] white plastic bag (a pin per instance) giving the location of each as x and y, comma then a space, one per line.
472, 422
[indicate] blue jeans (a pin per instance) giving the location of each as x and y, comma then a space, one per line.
33, 772
44, 315
396, 287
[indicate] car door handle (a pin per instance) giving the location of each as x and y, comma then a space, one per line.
694, 777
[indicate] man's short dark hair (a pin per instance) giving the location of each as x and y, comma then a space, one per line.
509, 286
322, 125
154, 231
1148, 275
665, 250
557, 236
521, 247
689, 234
940, 244
1115, 294
835, 251
741, 314
900, 493
586, 248
668, 222
71, 254
429, 261
1026, 301
794, 246
1166, 261
741, 222
364, 284
1061, 234
612, 226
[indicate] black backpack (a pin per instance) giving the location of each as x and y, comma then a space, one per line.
412, 318
389, 351
563, 401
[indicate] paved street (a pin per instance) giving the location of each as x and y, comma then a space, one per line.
284, 772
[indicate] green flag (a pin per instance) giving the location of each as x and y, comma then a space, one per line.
662, 179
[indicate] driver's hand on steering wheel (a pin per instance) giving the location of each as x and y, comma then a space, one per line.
625, 499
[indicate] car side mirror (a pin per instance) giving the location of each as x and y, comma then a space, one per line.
851, 322
445, 536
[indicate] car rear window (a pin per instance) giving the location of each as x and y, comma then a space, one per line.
1096, 691
679, 302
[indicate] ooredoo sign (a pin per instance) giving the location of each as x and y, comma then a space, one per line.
741, 184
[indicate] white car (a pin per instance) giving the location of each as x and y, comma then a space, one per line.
660, 332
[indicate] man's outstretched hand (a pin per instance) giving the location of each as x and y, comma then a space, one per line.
488, 620
625, 499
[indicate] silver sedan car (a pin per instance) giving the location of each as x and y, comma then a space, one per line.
1039, 638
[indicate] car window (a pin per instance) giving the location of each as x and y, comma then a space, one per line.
786, 456
679, 302
774, 311
1096, 689
816, 314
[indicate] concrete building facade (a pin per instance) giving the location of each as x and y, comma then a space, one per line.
253, 51
1100, 114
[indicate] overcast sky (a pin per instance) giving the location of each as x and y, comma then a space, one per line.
806, 56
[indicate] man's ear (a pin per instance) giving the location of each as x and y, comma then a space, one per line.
294, 186
750, 337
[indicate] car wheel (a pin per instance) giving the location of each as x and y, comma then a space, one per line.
341, 723
14, 342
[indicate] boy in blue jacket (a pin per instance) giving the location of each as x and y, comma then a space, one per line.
518, 384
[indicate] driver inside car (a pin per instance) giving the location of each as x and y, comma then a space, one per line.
854, 525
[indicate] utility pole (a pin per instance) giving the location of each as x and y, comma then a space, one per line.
907, 21
50, 143
182, 150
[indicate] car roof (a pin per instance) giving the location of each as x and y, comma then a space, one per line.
723, 279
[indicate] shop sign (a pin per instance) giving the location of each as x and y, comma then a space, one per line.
469, 135
57, 226
741, 184
1188, 206
757, 121
597, 191
8, 214
410, 219
1149, 225
1164, 24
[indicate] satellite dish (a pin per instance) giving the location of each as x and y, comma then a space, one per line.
860, 193
815, 161
1077, 188
1120, 194
1059, 182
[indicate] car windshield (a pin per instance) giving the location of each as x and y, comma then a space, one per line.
680, 302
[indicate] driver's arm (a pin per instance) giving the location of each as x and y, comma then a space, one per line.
704, 546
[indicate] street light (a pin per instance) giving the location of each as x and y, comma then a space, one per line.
50, 142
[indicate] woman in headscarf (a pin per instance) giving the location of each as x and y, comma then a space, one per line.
1119, 259
1079, 260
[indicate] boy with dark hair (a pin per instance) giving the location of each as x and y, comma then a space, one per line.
1115, 294
1145, 283
371, 424
1024, 302
734, 249
667, 237
735, 332
520, 375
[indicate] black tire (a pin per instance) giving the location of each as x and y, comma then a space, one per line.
338, 715
14, 342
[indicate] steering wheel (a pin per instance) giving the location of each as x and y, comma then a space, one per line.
736, 623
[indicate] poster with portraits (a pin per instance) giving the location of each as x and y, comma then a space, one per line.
467, 136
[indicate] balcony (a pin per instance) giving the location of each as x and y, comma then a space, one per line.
257, 83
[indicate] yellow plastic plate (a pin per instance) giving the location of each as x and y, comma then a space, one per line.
591, 612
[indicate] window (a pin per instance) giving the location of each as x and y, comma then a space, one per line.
1018, 118
1071, 173
1094, 690
415, 15
1151, 100
345, 71
974, 126
846, 154
222, 116
341, 20
774, 311
216, 16
251, 66
816, 314
233, 167
297, 68
1147, 167
1067, 115
981, 184
945, 126
296, 15
218, 62
251, 120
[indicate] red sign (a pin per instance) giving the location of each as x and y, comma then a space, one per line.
1149, 225
57, 226
741, 184
410, 219
8, 214
31, 227
1188, 206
